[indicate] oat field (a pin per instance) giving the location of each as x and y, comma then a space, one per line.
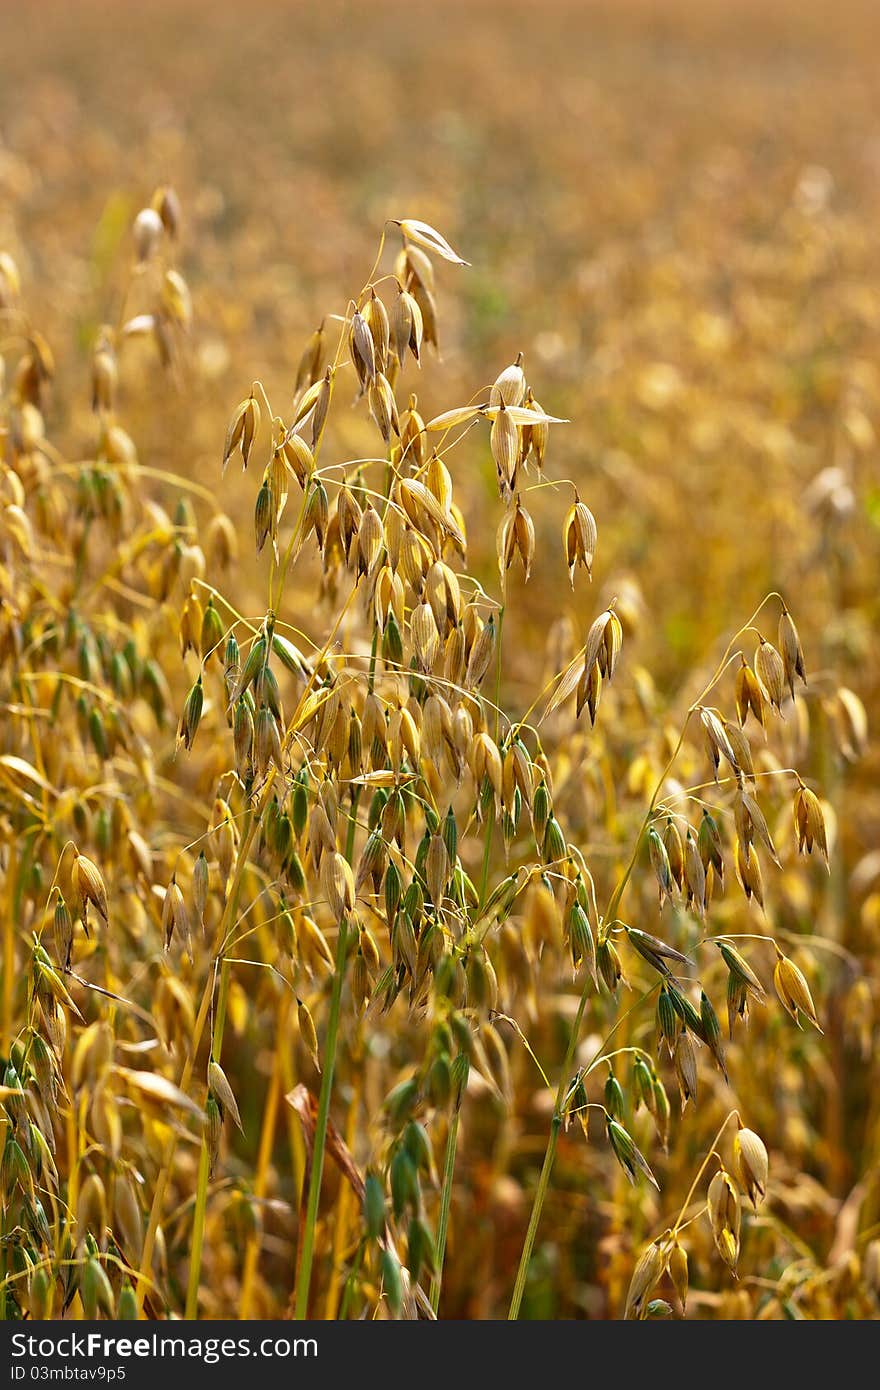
439, 554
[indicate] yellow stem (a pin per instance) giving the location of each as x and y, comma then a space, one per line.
701, 1170
264, 1154
189, 1064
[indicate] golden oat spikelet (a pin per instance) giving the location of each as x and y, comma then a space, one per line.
376, 318
510, 387
603, 645
678, 1272
426, 236
90, 888
791, 651
309, 368
793, 991
750, 1164
579, 537
481, 653
748, 694
771, 673
516, 536
694, 876
362, 350
406, 327
648, 1272
717, 741
505, 448
809, 823
337, 881
725, 1216
535, 433
748, 871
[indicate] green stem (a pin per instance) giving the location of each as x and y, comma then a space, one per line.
220, 1019
308, 1235
537, 1205
352, 823
445, 1204
353, 1273
371, 680
487, 855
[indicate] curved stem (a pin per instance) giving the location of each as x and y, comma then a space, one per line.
701, 1170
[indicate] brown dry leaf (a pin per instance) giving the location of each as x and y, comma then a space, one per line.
305, 1104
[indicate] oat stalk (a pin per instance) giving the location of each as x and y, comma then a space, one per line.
328, 1064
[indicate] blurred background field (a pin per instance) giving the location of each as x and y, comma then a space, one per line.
672, 211
668, 208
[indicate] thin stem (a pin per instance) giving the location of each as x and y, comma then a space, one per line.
490, 818
267, 1136
189, 1065
487, 855
195, 1267
701, 1170
307, 1248
198, 1235
445, 1204
351, 1280
343, 1210
537, 1207
501, 612
544, 1180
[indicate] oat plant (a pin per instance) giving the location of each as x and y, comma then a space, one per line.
313, 805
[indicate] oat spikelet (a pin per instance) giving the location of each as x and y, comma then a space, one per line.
504, 444
750, 1164
579, 536
220, 1089
307, 1032
90, 887
749, 697
147, 231
725, 1216
809, 822
428, 237
603, 645
791, 651
516, 535
337, 882
771, 673
510, 387
793, 991
648, 1271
